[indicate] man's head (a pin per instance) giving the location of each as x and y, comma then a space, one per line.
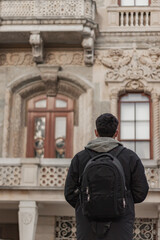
106, 125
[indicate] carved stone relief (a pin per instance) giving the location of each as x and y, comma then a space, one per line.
16, 58
88, 46
37, 46
51, 57
27, 218
63, 58
131, 64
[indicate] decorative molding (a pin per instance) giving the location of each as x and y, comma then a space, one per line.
37, 46
131, 65
16, 58
63, 57
156, 125
10, 57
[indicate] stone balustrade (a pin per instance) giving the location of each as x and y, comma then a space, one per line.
51, 173
133, 17
39, 9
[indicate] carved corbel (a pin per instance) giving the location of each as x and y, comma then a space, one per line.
88, 46
51, 84
51, 81
37, 46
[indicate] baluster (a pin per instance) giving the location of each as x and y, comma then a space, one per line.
122, 19
141, 18
132, 19
147, 19
136, 20
127, 14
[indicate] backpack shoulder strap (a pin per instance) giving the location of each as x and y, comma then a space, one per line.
116, 151
115, 154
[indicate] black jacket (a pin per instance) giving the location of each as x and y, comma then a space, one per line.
136, 183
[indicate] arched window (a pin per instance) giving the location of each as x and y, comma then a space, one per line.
134, 2
50, 127
135, 123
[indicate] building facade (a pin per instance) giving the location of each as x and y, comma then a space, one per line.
63, 63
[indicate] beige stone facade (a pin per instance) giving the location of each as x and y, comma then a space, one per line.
93, 52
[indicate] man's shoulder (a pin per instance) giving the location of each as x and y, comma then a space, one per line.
82, 153
129, 153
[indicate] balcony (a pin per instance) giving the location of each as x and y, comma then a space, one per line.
50, 174
50, 23
42, 181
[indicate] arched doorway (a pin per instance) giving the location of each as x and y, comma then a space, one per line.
50, 127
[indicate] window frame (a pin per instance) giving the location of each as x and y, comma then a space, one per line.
150, 122
149, 3
50, 113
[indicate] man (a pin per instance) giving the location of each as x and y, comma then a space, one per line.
136, 183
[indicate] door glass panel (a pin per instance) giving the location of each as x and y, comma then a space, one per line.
127, 2
60, 136
61, 103
39, 136
127, 111
41, 104
127, 130
142, 130
142, 111
143, 150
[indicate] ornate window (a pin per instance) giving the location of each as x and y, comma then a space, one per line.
135, 2
135, 123
50, 127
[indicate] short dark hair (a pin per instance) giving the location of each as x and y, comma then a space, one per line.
106, 125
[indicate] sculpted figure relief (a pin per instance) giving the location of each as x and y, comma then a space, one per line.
115, 59
131, 65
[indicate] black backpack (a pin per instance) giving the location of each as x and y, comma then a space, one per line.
102, 187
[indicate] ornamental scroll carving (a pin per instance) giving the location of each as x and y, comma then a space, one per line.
27, 218
51, 57
131, 65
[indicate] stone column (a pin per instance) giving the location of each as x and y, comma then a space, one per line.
114, 103
156, 126
16, 125
28, 216
6, 125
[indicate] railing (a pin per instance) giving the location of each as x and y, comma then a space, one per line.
51, 173
134, 19
29, 9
